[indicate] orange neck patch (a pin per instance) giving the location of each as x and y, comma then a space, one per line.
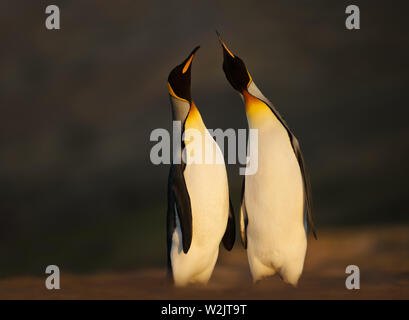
256, 110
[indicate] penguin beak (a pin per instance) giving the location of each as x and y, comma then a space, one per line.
188, 62
226, 51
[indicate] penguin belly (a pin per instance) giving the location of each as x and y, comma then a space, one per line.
208, 190
274, 201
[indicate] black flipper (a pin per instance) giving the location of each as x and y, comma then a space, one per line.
184, 210
307, 183
178, 203
243, 217
230, 233
170, 222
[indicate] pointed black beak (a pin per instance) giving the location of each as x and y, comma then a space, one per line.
226, 52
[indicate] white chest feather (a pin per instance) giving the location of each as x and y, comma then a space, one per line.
209, 196
274, 200
208, 189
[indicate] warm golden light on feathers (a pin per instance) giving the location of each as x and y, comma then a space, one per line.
194, 119
257, 111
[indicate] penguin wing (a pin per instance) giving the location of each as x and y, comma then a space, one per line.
179, 204
306, 179
243, 218
170, 221
230, 233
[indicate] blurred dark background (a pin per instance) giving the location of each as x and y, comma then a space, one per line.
77, 187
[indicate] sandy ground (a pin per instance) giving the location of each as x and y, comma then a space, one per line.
381, 253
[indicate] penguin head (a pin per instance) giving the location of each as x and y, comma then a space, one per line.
180, 77
235, 69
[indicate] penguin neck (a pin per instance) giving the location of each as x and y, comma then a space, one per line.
180, 109
257, 111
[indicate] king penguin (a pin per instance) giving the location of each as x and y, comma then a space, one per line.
200, 214
276, 202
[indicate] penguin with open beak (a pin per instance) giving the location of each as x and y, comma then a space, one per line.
199, 214
276, 204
